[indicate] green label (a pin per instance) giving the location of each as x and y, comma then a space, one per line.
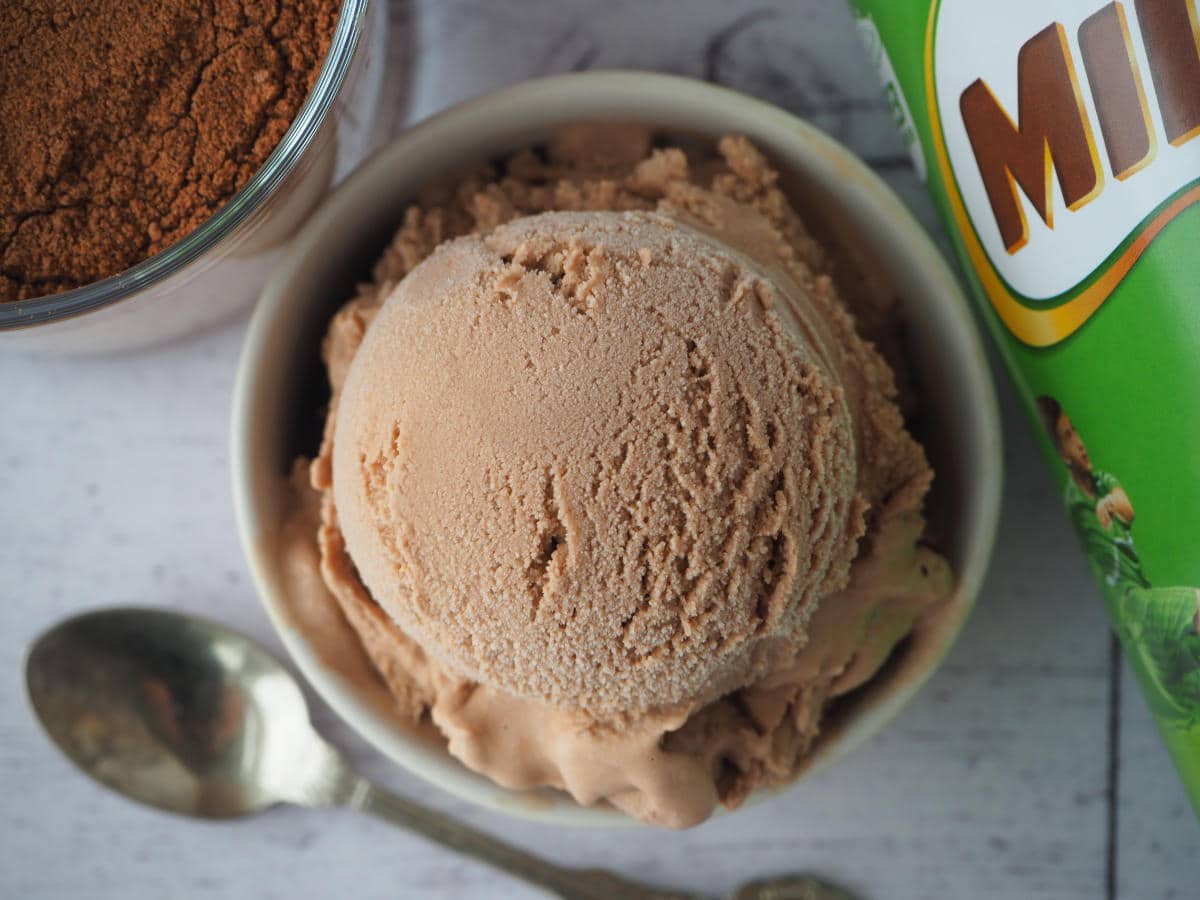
1064, 156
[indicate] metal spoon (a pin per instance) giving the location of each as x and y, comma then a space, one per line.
191, 717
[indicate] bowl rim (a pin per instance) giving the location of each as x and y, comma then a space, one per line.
599, 95
43, 310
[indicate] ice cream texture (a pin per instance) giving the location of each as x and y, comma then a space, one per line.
611, 488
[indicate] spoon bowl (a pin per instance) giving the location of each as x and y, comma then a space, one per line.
168, 710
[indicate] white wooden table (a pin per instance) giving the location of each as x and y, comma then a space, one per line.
1028, 768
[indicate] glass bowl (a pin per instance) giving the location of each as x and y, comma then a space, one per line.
219, 269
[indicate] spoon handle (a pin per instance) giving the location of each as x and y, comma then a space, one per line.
570, 884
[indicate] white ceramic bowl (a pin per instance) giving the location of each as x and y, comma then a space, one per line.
280, 363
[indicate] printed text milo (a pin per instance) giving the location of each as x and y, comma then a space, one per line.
1061, 142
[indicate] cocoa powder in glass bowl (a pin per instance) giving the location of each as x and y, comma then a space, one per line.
129, 123
155, 157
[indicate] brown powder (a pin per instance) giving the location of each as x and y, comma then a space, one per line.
128, 123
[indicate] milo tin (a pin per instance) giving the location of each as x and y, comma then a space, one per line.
1060, 140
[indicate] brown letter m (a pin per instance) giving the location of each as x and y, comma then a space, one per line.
1054, 134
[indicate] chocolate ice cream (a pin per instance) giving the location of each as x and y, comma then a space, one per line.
611, 489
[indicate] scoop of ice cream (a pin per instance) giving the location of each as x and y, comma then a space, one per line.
640, 443
598, 460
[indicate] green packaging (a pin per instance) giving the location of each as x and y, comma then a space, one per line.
1060, 140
